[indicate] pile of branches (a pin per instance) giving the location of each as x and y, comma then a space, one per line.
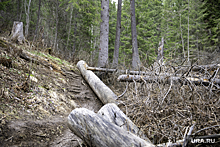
166, 108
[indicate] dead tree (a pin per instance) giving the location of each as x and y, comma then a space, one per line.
104, 93
168, 79
97, 130
17, 32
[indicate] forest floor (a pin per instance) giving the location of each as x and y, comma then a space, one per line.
38, 91
35, 101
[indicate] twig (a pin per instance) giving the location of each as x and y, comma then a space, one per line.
124, 91
189, 133
206, 129
167, 92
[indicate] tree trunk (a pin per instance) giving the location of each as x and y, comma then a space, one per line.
104, 93
135, 55
96, 131
167, 79
55, 40
182, 37
104, 31
17, 32
117, 38
71, 16
160, 52
38, 18
18, 9
27, 18
75, 29
188, 32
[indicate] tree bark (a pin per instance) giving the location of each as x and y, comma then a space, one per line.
18, 9
55, 41
38, 18
188, 33
75, 29
27, 18
96, 131
117, 38
71, 16
182, 37
104, 93
160, 51
121, 71
17, 32
135, 55
113, 114
168, 79
104, 31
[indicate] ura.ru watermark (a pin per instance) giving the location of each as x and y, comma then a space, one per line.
207, 140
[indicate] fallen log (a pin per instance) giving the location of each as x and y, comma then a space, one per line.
113, 114
168, 79
104, 93
96, 131
115, 70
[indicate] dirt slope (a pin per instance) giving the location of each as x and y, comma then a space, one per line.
35, 100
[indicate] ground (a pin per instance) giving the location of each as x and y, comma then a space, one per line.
35, 100
39, 90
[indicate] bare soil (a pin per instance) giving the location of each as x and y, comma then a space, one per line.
35, 101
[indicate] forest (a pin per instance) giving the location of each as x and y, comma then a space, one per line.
109, 73
72, 28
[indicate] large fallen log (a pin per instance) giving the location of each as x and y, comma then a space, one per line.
113, 114
184, 69
104, 93
168, 79
96, 131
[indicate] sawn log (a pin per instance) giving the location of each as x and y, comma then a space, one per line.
97, 131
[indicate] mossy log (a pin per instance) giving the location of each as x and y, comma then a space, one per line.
97, 131
103, 92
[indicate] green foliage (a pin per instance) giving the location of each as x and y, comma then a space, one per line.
4, 4
154, 18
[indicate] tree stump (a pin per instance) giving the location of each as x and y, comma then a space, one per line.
17, 32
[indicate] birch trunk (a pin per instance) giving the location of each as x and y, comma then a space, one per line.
104, 31
117, 38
